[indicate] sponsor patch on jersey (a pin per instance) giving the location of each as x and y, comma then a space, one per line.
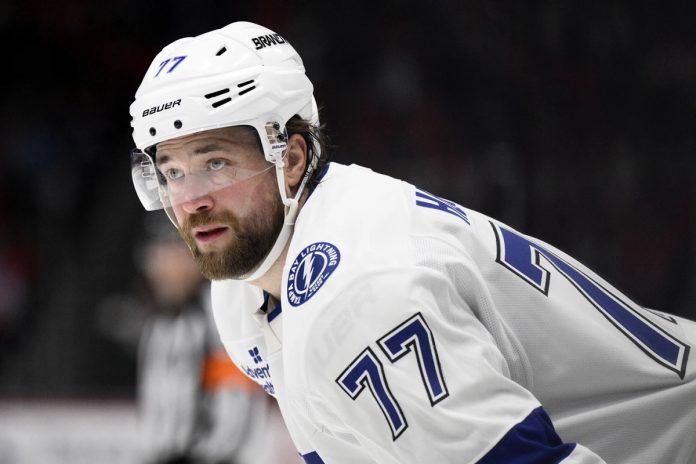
310, 270
258, 370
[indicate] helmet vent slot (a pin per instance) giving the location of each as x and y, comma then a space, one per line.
248, 89
221, 102
216, 93
221, 51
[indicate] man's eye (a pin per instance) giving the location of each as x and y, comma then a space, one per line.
173, 174
217, 164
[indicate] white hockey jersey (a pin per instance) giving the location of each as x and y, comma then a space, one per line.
413, 330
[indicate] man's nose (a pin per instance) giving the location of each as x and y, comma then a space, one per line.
198, 204
194, 195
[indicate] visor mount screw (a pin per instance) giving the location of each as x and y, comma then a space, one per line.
281, 137
276, 125
177, 124
153, 131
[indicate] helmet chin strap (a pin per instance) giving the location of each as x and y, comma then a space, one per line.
291, 210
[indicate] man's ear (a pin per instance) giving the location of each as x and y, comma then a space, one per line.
295, 161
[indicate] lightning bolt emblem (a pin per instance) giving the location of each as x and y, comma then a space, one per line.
308, 271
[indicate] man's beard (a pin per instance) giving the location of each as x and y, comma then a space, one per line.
251, 243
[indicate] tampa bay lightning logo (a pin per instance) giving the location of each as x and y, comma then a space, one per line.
310, 270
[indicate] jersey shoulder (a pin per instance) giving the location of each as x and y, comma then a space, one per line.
354, 223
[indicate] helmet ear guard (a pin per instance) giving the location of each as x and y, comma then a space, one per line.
241, 75
276, 137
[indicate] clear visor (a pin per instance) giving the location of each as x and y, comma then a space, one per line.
161, 187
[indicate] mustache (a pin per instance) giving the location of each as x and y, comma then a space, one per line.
207, 217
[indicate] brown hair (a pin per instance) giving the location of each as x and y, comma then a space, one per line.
314, 136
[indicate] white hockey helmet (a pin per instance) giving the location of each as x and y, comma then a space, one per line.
240, 75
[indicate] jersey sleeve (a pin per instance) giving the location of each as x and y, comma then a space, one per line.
393, 374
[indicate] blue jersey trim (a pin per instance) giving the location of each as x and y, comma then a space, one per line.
312, 458
533, 440
324, 170
320, 177
275, 313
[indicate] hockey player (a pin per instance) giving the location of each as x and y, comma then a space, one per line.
392, 325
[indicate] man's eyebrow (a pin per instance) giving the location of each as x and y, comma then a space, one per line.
207, 148
203, 149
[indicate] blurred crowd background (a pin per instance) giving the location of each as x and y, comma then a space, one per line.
570, 120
